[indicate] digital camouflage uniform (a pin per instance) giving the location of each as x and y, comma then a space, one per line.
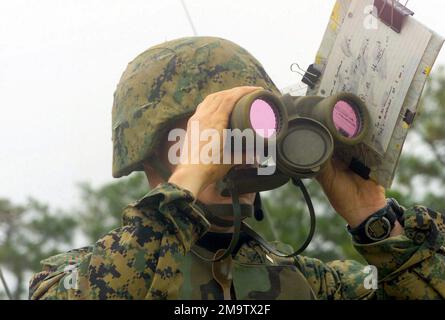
149, 257
154, 254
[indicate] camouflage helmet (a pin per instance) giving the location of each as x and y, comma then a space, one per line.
165, 84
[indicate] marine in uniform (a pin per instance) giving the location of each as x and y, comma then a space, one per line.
160, 251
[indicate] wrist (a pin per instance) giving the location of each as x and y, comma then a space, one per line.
382, 224
358, 209
364, 212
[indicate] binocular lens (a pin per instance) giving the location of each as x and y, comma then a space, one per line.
262, 118
346, 119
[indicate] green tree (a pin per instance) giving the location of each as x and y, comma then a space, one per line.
27, 235
421, 173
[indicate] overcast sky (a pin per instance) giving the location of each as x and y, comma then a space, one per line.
60, 62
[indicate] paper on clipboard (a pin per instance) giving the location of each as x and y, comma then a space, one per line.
378, 65
400, 97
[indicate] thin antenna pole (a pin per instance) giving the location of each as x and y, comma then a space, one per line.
189, 18
5, 285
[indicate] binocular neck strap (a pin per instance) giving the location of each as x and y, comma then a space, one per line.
269, 247
238, 212
216, 212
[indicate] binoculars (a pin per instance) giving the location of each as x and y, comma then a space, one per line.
305, 130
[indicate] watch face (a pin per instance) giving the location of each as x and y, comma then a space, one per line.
378, 228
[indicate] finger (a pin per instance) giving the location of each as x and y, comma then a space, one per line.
231, 97
210, 103
235, 89
326, 174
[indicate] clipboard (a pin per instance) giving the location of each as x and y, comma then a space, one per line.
377, 163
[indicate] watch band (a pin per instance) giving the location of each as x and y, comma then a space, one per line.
379, 225
398, 210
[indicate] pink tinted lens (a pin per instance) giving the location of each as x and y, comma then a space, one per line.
262, 118
345, 119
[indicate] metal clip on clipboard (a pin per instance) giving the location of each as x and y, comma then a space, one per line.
309, 76
392, 13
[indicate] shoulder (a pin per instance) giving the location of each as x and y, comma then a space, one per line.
55, 268
139, 230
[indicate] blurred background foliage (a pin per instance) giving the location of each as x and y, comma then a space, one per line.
32, 231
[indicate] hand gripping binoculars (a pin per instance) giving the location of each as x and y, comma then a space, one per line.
305, 131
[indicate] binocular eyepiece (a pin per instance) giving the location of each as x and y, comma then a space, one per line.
305, 131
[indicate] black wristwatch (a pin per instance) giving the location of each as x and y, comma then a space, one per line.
379, 225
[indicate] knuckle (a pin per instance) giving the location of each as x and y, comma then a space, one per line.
221, 117
211, 96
